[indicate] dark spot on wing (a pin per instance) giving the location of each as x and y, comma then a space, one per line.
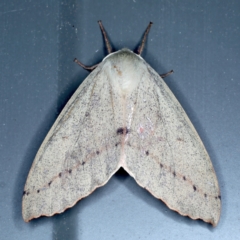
219, 197
184, 178
147, 153
70, 170
87, 114
49, 183
121, 131
27, 193
161, 165
174, 173
205, 195
97, 152
180, 139
60, 174
38, 191
194, 188
116, 144
24, 192
83, 163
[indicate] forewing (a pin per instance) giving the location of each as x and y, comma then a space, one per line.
78, 154
166, 156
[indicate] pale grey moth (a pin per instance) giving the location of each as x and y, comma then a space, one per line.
123, 115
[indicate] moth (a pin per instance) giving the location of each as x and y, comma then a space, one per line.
123, 115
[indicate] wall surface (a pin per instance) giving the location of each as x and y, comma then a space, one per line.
199, 40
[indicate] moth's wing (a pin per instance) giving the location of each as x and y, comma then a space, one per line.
78, 154
166, 156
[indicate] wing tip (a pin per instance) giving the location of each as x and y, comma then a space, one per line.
212, 221
28, 219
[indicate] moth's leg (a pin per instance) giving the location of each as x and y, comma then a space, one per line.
85, 67
140, 49
109, 48
166, 74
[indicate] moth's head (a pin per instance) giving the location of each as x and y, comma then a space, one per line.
124, 54
124, 69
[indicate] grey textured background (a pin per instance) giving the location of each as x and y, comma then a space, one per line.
200, 40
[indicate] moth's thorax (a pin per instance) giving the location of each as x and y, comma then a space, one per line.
124, 70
